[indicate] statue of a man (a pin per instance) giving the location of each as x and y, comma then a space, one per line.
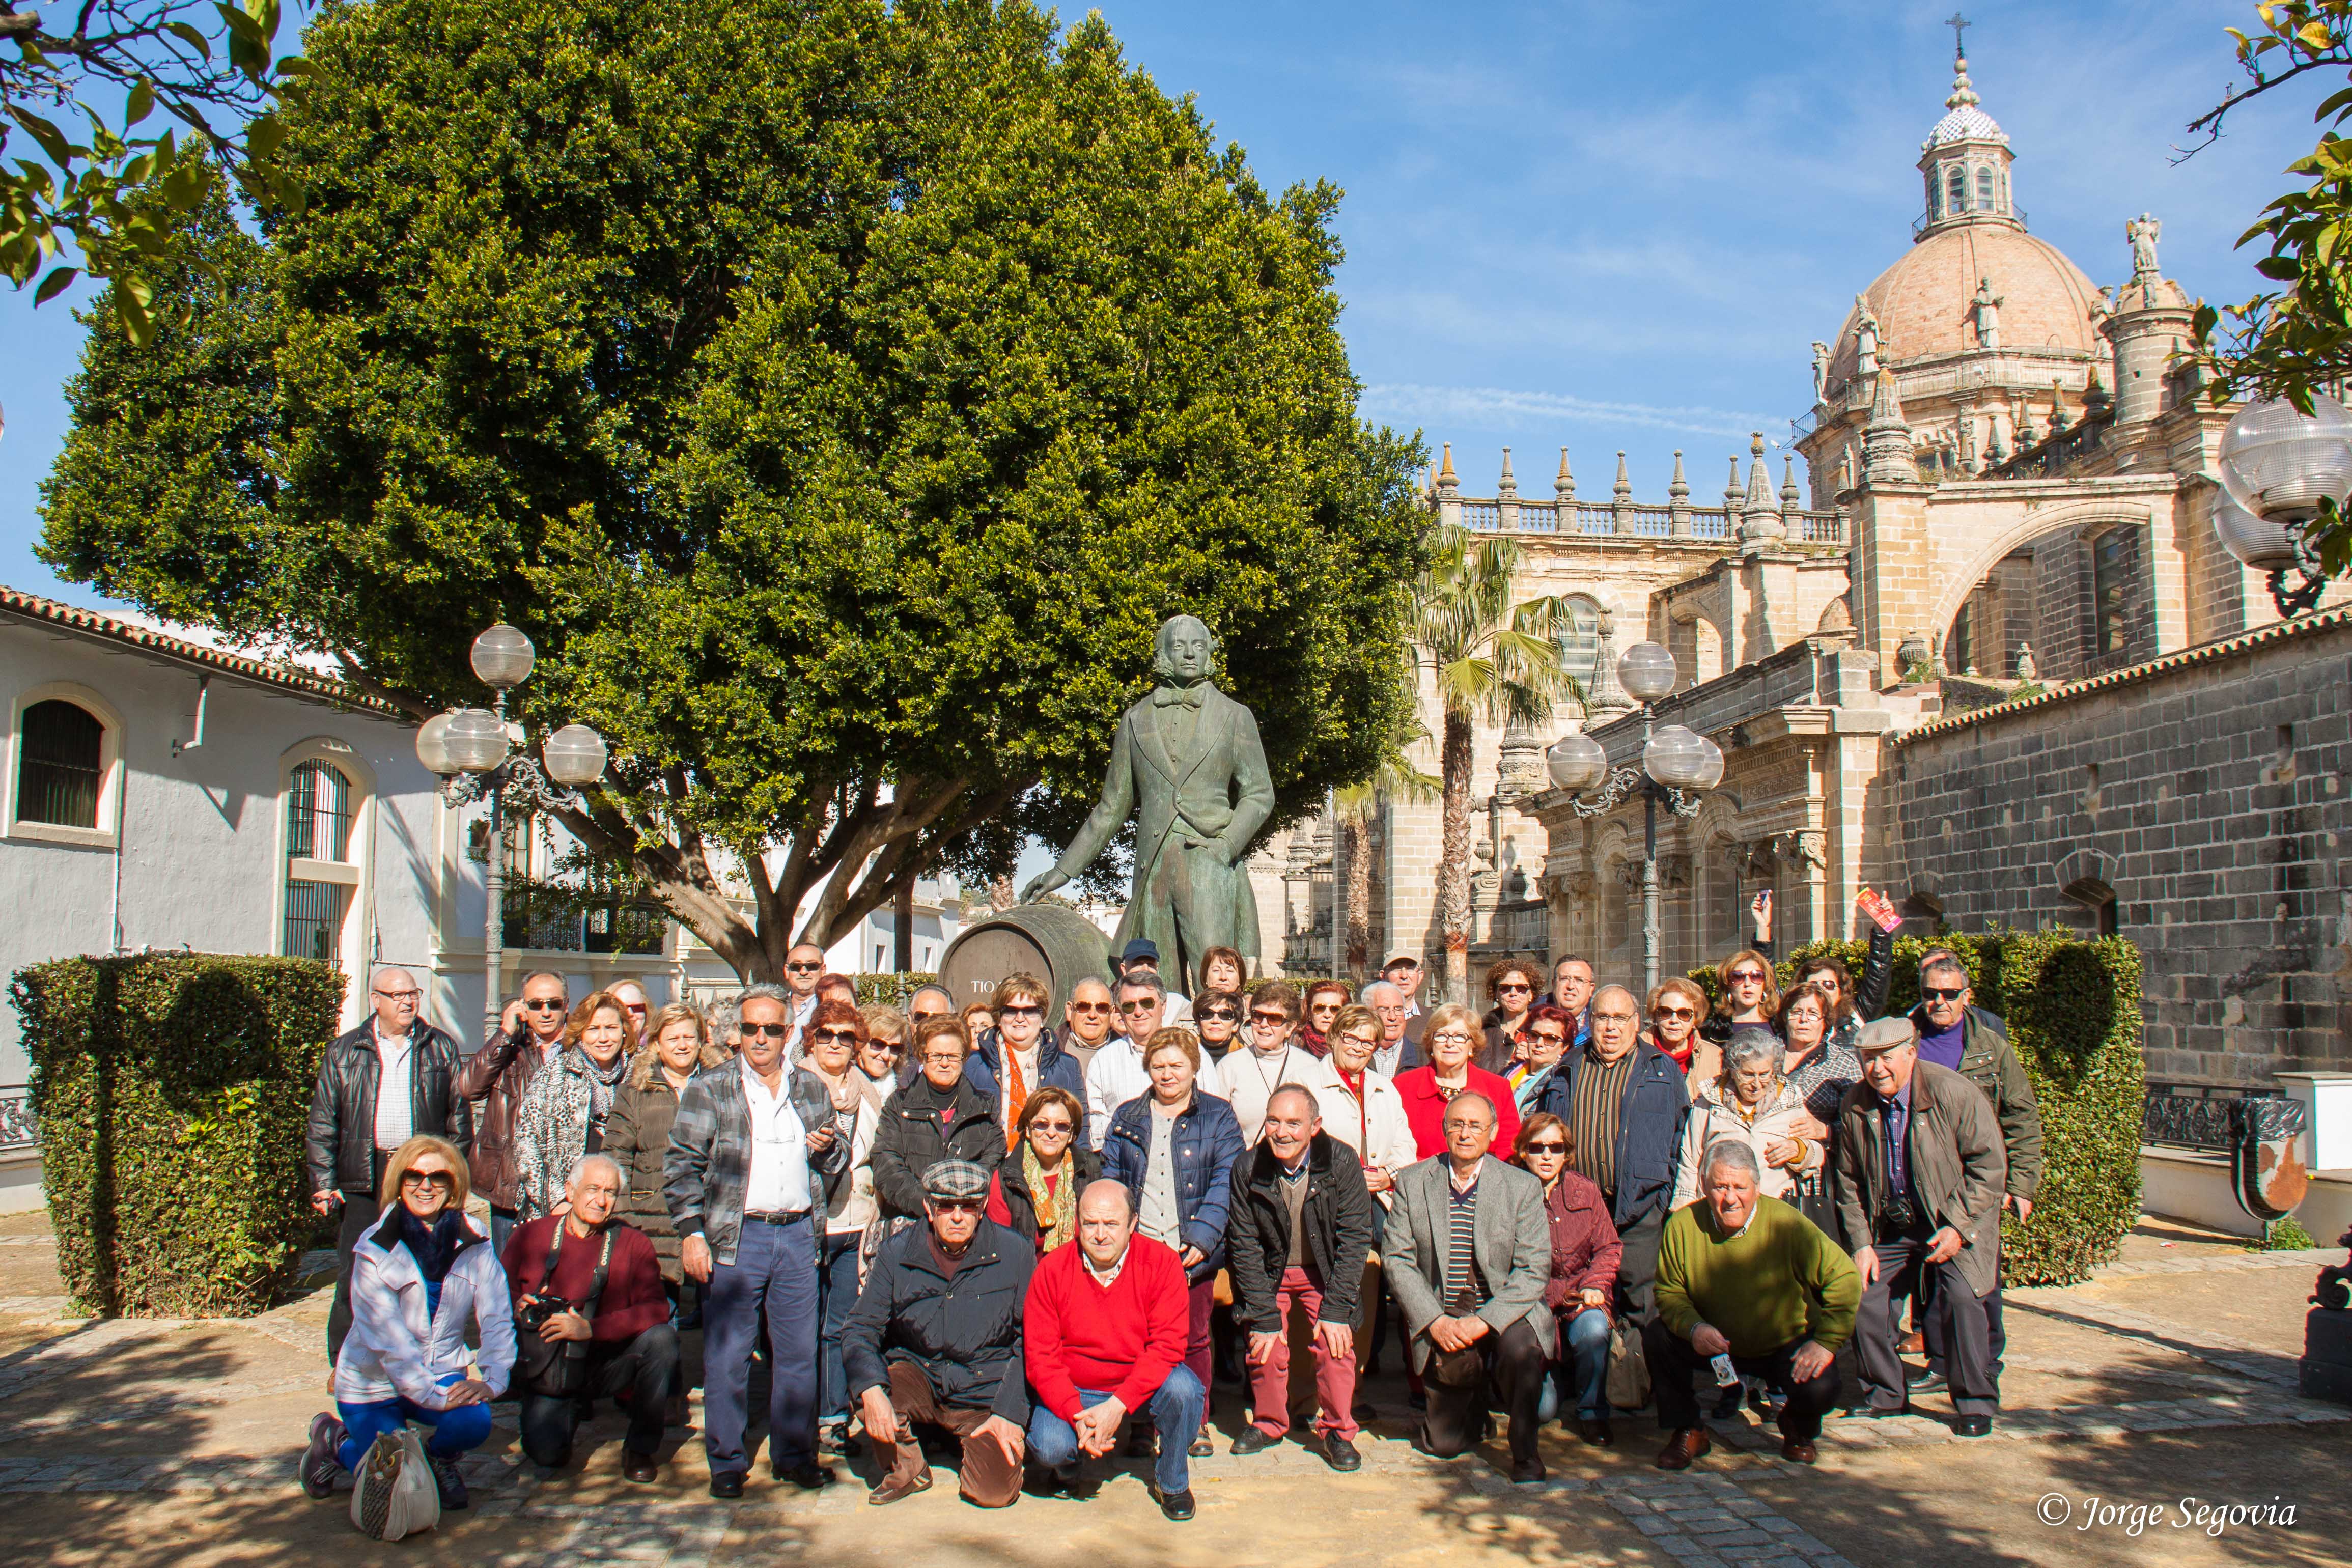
1821, 372
1987, 305
1865, 339
2142, 232
1186, 762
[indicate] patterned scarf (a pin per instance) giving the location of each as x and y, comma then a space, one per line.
602, 1082
1057, 1212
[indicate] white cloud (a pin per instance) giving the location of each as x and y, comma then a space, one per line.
1501, 409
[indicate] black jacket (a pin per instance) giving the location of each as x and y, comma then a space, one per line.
964, 1332
910, 1141
340, 1143
1648, 1126
1021, 1205
1337, 1223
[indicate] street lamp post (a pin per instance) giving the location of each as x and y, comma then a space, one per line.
1678, 765
2276, 465
467, 747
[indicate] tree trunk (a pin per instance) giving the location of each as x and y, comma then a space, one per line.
1454, 860
1356, 845
902, 920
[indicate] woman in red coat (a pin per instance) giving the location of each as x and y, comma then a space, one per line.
1585, 1255
1451, 1038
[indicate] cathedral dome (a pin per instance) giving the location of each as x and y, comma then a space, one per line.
1923, 301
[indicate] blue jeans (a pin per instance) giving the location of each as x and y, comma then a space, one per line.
1582, 1366
773, 1276
454, 1431
837, 1279
1176, 1408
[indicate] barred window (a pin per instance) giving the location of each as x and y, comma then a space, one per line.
61, 757
1579, 641
1984, 189
318, 814
314, 921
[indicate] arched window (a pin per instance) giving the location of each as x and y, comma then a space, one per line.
1579, 641
1932, 193
1956, 188
61, 765
318, 814
1984, 189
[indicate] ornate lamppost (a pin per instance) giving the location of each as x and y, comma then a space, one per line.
1678, 765
2276, 465
467, 747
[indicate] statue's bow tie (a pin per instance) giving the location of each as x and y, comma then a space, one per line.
1169, 697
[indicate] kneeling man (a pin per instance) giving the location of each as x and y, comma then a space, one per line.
935, 1341
1105, 1333
1746, 1276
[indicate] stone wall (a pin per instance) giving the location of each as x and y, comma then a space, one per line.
2207, 792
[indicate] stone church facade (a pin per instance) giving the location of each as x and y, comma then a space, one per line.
2008, 489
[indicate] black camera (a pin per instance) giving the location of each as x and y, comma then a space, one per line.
1900, 1216
533, 1315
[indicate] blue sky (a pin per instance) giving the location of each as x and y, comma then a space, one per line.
1611, 225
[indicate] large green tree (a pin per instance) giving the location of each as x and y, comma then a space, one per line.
839, 394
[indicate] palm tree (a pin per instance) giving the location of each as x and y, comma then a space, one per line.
1353, 810
1494, 661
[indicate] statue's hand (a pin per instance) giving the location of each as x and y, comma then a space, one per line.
1040, 885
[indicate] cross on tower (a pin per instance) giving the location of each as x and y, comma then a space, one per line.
1960, 45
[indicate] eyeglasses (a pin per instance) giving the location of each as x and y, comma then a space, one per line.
400, 995
1512, 986
639, 1008
1673, 1013
1090, 1008
1137, 1007
1366, 1040
804, 968
877, 1042
958, 1206
544, 1005
1450, 1038
1269, 1016
836, 1036
441, 1180
931, 1013
1612, 1018
1546, 1148
768, 1031
1219, 1014
1938, 993
1042, 1125
1029, 1011
1547, 1038
937, 1060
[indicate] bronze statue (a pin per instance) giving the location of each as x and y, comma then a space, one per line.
1187, 764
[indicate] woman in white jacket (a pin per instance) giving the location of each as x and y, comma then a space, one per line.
421, 1280
1752, 1104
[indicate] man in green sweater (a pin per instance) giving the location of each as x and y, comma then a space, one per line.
1745, 1284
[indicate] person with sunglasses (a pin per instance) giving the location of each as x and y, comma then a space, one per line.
829, 1046
1020, 1056
496, 1079
1036, 1189
424, 1279
1117, 1074
393, 1078
563, 1115
936, 1341
752, 1155
1269, 1060
1541, 1042
1748, 992
1511, 986
1089, 1015
939, 1116
879, 1055
1585, 1253
804, 967
1324, 1000
633, 1002
1220, 1035
1676, 1007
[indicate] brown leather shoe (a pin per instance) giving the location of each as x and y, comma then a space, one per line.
1689, 1442
895, 1487
639, 1466
1912, 1344
1798, 1450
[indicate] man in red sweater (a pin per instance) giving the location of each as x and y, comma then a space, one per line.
1104, 1333
617, 1336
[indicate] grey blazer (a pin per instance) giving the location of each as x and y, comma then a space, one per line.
1513, 1246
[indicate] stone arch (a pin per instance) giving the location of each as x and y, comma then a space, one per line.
2029, 525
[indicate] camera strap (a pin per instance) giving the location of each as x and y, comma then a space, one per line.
578, 1349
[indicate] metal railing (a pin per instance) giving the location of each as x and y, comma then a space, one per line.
19, 1128
552, 918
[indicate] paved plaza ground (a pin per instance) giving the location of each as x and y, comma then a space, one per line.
2170, 1375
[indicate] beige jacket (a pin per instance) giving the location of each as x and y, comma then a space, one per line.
1717, 1114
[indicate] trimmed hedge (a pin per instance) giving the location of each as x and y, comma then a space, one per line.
173, 1089
2073, 1007
890, 990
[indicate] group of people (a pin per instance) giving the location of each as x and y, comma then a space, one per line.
1023, 1237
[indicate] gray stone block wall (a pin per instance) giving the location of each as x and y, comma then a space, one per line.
2213, 799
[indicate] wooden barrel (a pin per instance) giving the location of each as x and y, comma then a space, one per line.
1059, 946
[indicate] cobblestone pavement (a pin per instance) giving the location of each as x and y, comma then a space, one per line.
162, 1440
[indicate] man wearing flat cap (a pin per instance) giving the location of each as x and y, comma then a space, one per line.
1918, 1179
935, 1341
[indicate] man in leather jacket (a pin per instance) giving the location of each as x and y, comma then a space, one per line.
497, 1077
354, 1124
